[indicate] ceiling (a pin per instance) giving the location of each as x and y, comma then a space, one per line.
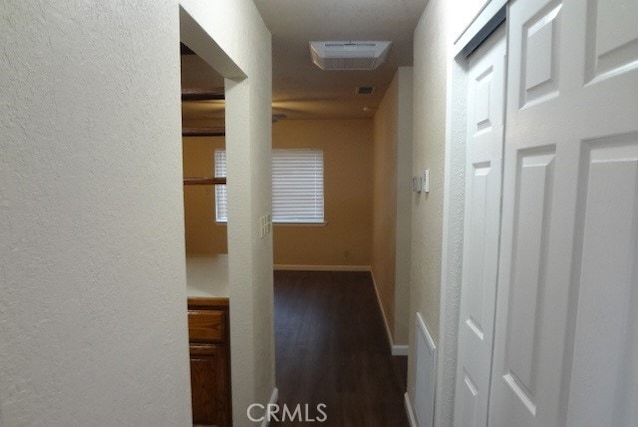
301, 90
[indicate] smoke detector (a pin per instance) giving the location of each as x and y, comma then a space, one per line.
347, 55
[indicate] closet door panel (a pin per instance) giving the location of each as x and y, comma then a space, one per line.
485, 130
567, 289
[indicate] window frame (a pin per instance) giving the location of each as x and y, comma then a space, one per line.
317, 221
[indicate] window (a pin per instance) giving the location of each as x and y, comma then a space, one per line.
298, 186
220, 166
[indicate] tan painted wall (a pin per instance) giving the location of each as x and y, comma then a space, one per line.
391, 234
348, 160
385, 155
430, 82
202, 234
403, 206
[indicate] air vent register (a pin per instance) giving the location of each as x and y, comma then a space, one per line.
343, 55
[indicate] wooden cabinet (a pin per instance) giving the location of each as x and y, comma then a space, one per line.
209, 355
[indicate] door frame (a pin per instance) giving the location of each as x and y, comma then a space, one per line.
490, 18
244, 97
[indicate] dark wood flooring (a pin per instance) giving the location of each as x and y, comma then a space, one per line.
331, 348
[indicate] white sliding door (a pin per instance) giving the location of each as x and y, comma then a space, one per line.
483, 175
566, 335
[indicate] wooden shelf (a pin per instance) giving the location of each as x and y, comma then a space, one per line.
203, 132
204, 181
202, 94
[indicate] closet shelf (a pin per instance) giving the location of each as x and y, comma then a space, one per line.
203, 132
204, 181
202, 94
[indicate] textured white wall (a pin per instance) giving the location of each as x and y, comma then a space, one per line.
238, 29
453, 235
431, 41
92, 274
465, 12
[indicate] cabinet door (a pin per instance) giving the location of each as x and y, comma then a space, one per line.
209, 389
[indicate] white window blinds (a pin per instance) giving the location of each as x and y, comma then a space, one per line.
298, 186
220, 166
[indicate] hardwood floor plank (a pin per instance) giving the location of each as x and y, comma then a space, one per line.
331, 348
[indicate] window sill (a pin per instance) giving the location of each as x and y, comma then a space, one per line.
300, 224
287, 224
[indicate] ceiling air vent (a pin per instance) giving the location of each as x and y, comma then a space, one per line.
337, 55
364, 90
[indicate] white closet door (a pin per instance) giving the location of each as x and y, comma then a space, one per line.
485, 118
566, 338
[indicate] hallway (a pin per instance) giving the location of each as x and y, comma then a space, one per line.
331, 348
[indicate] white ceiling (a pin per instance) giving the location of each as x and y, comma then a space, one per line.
300, 89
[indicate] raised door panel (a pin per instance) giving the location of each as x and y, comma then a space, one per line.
612, 38
526, 323
567, 286
539, 47
602, 387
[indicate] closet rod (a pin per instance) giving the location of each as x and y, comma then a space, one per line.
202, 94
203, 132
204, 181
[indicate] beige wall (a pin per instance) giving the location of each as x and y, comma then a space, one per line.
403, 206
93, 307
430, 83
202, 234
93, 282
348, 160
391, 234
385, 156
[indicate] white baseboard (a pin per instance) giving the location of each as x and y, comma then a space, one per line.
296, 267
409, 408
400, 350
272, 401
396, 350
384, 315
